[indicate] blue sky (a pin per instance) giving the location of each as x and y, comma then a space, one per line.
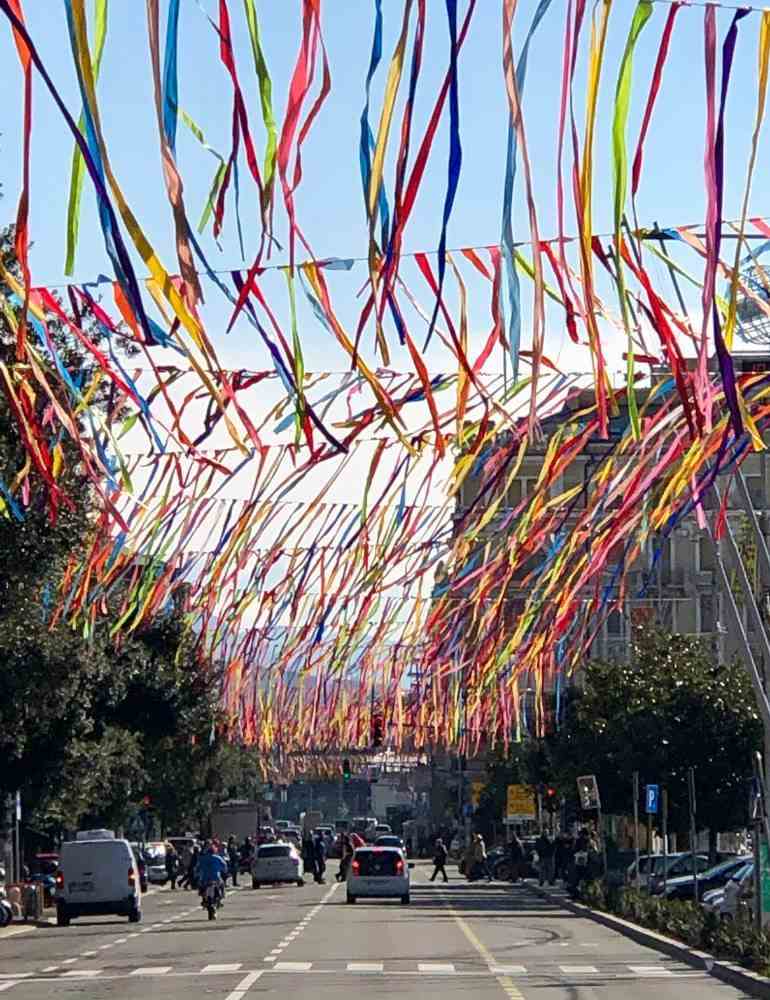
329, 202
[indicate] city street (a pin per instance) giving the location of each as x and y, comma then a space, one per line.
485, 940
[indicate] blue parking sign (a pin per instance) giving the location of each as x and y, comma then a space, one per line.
653, 797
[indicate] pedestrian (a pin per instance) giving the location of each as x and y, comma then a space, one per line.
233, 858
319, 858
247, 854
579, 870
481, 865
172, 865
546, 852
439, 860
346, 856
516, 858
563, 856
189, 880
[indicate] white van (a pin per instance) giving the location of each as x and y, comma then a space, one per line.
97, 877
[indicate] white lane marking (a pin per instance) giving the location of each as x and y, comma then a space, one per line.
650, 970
50, 968
244, 985
87, 954
7, 986
293, 966
135, 934
578, 970
16, 975
69, 961
86, 973
439, 968
152, 970
365, 966
269, 958
15, 931
120, 941
284, 944
276, 951
508, 970
233, 967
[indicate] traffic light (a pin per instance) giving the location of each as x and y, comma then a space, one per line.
551, 799
377, 731
346, 769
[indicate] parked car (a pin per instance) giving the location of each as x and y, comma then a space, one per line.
653, 866
382, 828
380, 873
717, 877
274, 863
724, 902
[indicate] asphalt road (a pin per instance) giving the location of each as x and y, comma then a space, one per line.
488, 941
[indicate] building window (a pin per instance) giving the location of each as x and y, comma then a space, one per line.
707, 619
615, 624
706, 559
521, 488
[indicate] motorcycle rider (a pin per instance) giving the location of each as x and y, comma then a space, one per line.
211, 867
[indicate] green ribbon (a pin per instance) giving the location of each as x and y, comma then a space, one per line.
78, 165
620, 183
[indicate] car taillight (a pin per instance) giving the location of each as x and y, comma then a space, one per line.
131, 876
60, 879
356, 867
399, 867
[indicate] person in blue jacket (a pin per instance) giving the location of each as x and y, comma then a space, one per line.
211, 867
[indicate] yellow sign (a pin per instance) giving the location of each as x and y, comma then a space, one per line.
520, 803
477, 787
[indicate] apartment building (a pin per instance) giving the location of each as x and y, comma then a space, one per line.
674, 582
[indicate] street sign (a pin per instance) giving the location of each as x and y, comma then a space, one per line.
477, 787
652, 798
520, 803
588, 791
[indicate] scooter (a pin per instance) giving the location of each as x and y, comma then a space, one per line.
211, 898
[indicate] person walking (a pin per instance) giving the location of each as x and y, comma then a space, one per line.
190, 881
480, 857
346, 856
563, 857
172, 865
546, 851
233, 858
439, 860
516, 857
319, 858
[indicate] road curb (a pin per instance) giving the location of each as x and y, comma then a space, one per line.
727, 972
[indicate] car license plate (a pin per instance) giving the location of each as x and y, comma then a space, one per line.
81, 886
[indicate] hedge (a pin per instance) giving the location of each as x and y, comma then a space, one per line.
733, 940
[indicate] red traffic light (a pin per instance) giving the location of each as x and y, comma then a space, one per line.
550, 793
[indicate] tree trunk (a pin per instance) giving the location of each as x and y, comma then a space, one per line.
712, 845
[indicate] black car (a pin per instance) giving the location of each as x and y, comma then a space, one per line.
713, 878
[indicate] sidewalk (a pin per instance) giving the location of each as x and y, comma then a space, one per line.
727, 972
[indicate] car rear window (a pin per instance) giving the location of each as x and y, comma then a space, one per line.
379, 863
275, 851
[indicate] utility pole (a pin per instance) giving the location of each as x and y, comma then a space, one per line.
636, 825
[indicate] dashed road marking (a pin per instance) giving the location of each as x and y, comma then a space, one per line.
152, 970
366, 966
69, 961
579, 970
244, 985
85, 973
293, 966
650, 970
436, 968
508, 970
232, 967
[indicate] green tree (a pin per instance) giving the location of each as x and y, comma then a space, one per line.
670, 709
86, 726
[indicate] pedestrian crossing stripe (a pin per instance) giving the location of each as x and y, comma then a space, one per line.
467, 970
